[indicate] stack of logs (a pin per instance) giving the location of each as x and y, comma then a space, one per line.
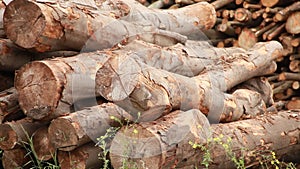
83, 68
244, 22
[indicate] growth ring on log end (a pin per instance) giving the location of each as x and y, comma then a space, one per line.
39, 86
31, 28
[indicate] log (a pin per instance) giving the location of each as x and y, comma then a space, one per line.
292, 25
260, 85
168, 142
221, 3
248, 38
281, 88
295, 66
15, 133
11, 56
289, 76
167, 91
15, 158
9, 106
293, 104
86, 156
58, 99
296, 85
71, 27
283, 14
44, 150
86, 125
271, 3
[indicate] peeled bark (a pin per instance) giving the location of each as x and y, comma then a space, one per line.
86, 125
16, 132
41, 143
155, 92
168, 142
49, 27
85, 156
55, 97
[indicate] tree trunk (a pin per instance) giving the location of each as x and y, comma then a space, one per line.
15, 158
16, 132
62, 92
146, 89
9, 106
69, 26
41, 143
85, 156
171, 141
86, 125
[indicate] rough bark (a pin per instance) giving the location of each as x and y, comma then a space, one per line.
16, 132
62, 92
85, 156
9, 106
168, 142
41, 143
15, 158
293, 23
70, 26
86, 125
146, 89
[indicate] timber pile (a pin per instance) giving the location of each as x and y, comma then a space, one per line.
84, 67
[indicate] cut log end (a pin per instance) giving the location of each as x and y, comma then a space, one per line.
8, 137
38, 92
247, 39
18, 20
62, 134
42, 146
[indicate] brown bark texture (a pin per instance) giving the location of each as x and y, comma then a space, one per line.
68, 25
171, 141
